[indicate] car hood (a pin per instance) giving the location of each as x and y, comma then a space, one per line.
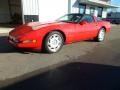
20, 30
23, 29
38, 25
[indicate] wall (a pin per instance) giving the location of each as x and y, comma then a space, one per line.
104, 13
74, 6
87, 11
50, 10
96, 11
30, 10
4, 11
30, 7
15, 6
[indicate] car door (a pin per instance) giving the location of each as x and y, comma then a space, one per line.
71, 33
86, 30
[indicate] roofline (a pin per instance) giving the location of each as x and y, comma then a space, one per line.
98, 3
81, 14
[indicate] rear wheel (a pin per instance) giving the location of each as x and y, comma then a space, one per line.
53, 42
101, 35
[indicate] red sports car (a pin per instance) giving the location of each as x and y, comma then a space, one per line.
50, 37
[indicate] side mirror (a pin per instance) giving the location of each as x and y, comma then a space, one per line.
83, 22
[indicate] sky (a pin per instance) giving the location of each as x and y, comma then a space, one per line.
116, 2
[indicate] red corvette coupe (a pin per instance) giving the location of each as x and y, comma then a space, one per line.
52, 36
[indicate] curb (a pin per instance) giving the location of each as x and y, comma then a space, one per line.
5, 30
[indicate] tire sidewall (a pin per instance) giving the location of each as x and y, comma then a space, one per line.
98, 39
47, 38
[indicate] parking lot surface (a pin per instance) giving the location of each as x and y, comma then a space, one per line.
94, 60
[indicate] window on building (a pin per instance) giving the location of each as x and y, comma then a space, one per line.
82, 8
100, 10
92, 10
88, 18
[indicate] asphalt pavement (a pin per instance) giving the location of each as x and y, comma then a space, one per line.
85, 65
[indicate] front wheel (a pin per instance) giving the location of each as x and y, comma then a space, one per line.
101, 35
53, 42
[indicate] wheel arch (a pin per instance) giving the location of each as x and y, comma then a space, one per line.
104, 28
58, 30
63, 34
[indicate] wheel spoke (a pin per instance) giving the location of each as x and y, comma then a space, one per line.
101, 35
54, 42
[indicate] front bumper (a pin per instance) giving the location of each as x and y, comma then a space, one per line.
19, 44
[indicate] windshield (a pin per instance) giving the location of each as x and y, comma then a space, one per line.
70, 18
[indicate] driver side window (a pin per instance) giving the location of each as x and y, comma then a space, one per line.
88, 18
76, 19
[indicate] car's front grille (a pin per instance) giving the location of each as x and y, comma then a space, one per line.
13, 39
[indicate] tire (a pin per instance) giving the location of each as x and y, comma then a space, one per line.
101, 35
53, 42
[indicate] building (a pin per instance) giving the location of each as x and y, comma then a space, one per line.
23, 11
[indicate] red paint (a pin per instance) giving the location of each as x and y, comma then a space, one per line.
72, 31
